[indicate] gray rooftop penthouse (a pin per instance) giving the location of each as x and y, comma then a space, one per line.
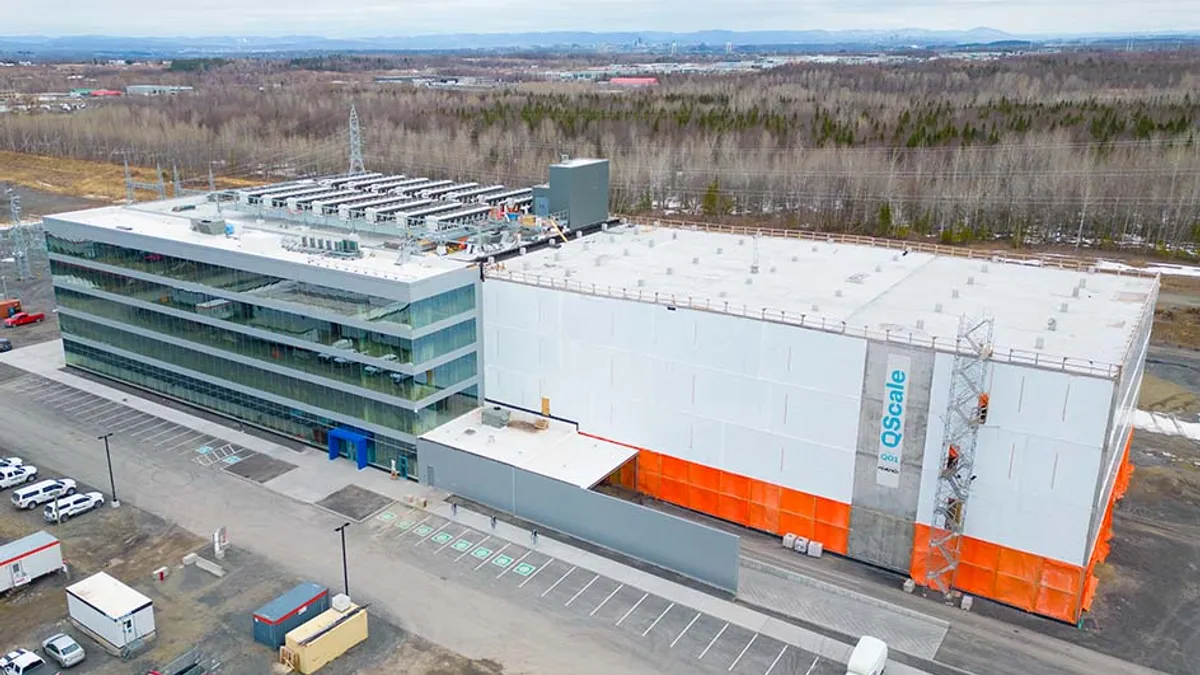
354, 342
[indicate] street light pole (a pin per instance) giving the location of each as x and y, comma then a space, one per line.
111, 481
345, 570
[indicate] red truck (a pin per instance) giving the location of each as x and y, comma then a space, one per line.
23, 318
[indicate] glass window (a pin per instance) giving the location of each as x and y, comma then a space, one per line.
298, 326
306, 391
303, 426
340, 301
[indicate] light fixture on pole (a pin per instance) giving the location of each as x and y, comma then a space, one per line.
111, 481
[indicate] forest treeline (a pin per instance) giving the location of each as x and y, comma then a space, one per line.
1035, 148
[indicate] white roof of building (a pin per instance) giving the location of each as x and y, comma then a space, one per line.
107, 595
879, 292
558, 452
263, 237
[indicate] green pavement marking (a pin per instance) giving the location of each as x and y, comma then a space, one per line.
502, 561
524, 569
387, 516
482, 553
423, 530
461, 545
442, 537
404, 524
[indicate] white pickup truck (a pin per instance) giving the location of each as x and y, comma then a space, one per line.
868, 658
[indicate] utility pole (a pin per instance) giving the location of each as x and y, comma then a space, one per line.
356, 150
111, 481
345, 569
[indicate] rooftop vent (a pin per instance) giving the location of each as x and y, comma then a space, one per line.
557, 255
814, 248
674, 235
1083, 282
741, 242
816, 308
696, 260
522, 250
1075, 292
641, 283
599, 261
1051, 324
651, 243
895, 258
857, 278
625, 252
1063, 309
754, 268
587, 245
208, 225
720, 250
773, 268
495, 416
878, 268
1039, 343
920, 324
579, 235
749, 280
983, 268
937, 308
837, 293
795, 258
723, 294
670, 271
970, 281
954, 293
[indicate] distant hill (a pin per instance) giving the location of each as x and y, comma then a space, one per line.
112, 46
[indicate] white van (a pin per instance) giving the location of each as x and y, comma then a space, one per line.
868, 658
40, 493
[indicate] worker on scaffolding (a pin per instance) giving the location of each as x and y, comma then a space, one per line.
983, 408
951, 458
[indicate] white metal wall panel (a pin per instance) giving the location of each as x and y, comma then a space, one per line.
1049, 404
769, 401
935, 433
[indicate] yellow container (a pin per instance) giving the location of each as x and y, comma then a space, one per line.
324, 638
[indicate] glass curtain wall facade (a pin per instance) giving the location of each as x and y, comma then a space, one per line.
303, 364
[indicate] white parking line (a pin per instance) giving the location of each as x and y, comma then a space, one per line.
485, 560
473, 547
54, 401
56, 395
143, 424
164, 434
744, 650
660, 616
714, 641
536, 572
439, 529
515, 563
580, 591
558, 582
196, 443
414, 526
188, 440
773, 663
455, 538
814, 665
635, 606
124, 416
685, 629
610, 595
147, 430
179, 433
98, 412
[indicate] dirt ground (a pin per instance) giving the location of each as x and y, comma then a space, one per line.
193, 609
35, 292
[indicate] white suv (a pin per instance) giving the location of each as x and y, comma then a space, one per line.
40, 493
6, 462
74, 505
15, 475
22, 661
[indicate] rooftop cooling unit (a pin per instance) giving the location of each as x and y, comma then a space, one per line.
495, 416
208, 225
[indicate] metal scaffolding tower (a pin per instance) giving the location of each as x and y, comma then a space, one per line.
356, 150
14, 205
966, 410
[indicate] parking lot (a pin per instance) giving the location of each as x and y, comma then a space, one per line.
684, 640
129, 425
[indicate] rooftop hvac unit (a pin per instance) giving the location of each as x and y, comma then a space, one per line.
208, 225
495, 416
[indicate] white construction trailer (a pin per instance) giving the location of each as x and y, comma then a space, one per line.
26, 559
116, 616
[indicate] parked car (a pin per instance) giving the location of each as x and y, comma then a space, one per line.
40, 493
15, 475
868, 658
63, 649
62, 509
23, 318
22, 662
6, 462
375, 370
5, 345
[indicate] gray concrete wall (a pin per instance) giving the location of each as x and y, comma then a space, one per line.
884, 503
682, 546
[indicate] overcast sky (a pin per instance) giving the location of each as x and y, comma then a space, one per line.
360, 18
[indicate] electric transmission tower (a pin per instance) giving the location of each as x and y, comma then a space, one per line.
356, 155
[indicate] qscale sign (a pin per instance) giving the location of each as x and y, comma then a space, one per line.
891, 423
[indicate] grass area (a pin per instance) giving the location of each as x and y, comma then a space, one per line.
79, 178
1159, 395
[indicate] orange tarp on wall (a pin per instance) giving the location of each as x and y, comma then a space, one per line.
1048, 587
745, 501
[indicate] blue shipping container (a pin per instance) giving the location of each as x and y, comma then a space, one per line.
273, 620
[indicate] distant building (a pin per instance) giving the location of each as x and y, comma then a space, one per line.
634, 81
155, 90
102, 93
